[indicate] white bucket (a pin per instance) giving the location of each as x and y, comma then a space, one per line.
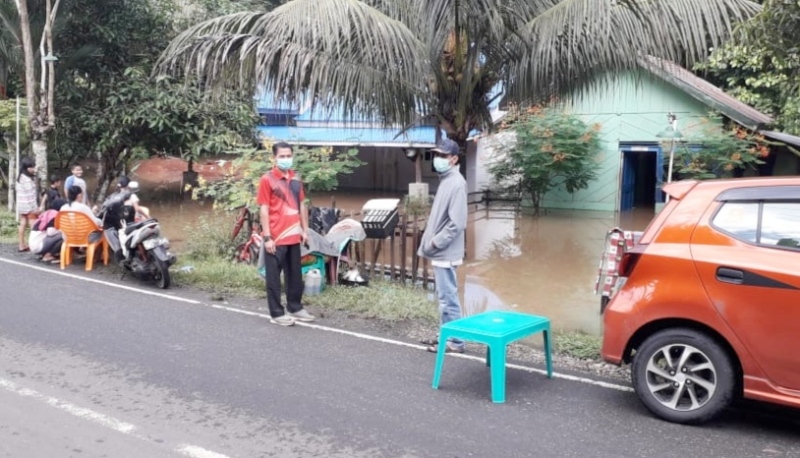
313, 283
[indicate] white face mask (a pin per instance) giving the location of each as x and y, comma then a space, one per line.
284, 163
441, 164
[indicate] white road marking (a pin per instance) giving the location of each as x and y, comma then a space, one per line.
358, 335
72, 409
101, 419
199, 452
94, 280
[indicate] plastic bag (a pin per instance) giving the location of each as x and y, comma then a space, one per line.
322, 219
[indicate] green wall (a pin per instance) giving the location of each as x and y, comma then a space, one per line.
629, 109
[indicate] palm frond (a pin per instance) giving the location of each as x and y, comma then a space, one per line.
570, 42
337, 51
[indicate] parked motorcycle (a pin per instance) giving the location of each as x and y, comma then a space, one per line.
138, 247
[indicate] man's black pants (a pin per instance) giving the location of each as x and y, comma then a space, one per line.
286, 259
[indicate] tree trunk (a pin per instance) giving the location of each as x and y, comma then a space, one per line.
30, 75
39, 148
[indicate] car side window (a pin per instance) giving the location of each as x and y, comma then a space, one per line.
740, 219
780, 224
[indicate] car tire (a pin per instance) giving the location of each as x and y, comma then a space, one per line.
683, 376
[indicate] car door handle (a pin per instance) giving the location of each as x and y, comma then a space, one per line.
728, 275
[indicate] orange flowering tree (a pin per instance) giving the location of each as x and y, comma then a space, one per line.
720, 154
549, 149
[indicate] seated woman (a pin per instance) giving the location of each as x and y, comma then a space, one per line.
75, 194
45, 239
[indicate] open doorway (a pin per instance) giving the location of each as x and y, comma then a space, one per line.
641, 178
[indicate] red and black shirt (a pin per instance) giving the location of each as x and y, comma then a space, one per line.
283, 193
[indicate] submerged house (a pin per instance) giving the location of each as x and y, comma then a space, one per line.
632, 112
385, 151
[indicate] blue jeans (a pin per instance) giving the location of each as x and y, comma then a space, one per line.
447, 292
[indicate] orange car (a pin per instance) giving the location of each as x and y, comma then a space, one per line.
710, 307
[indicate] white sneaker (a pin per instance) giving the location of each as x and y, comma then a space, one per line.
283, 320
303, 315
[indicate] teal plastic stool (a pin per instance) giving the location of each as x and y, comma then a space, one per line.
495, 329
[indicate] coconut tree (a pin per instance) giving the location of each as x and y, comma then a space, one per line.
405, 60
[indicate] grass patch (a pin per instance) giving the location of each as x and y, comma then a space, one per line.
380, 300
8, 226
577, 344
220, 276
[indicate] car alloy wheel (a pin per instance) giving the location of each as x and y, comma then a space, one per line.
683, 375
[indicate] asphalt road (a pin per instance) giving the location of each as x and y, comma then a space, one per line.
89, 370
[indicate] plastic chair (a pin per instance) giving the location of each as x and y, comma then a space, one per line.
495, 329
76, 228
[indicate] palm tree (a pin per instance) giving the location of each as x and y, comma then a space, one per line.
406, 60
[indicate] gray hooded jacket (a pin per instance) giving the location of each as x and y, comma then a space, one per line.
443, 239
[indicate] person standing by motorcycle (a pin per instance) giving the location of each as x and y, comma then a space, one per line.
138, 212
284, 220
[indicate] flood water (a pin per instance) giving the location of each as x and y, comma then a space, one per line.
545, 265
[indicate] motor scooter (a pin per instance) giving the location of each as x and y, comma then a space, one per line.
138, 247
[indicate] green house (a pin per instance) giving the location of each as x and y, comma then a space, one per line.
632, 110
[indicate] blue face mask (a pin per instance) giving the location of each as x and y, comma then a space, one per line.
441, 164
284, 163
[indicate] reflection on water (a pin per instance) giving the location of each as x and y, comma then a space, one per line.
544, 265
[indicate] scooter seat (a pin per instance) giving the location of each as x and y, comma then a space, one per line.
135, 226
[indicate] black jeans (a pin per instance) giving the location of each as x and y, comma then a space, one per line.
286, 259
52, 244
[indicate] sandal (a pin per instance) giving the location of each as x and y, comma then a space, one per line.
430, 342
22, 250
448, 348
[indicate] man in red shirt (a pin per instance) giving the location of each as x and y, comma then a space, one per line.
284, 219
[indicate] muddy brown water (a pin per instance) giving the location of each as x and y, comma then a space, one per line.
545, 265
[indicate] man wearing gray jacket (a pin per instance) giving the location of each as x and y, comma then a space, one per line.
443, 240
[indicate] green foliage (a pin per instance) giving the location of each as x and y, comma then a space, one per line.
551, 149
8, 117
759, 77
8, 225
210, 238
763, 67
718, 154
319, 168
135, 116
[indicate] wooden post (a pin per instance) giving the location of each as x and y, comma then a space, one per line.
403, 244
391, 257
425, 273
375, 255
414, 257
